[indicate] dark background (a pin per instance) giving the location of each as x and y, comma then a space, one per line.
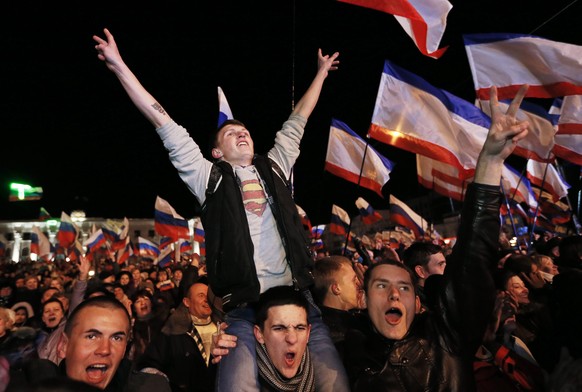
69, 127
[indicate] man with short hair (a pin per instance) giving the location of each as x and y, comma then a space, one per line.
182, 351
401, 349
425, 259
282, 332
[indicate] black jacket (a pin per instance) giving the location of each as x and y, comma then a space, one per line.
229, 248
437, 352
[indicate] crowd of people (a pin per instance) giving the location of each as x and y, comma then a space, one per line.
261, 313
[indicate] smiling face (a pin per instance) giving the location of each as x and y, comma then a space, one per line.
516, 287
391, 301
96, 345
197, 301
285, 335
234, 145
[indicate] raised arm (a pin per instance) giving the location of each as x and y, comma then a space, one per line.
307, 103
504, 133
108, 52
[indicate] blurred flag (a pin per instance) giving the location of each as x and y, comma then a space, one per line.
76, 251
340, 221
165, 257
224, 112
44, 215
3, 245
167, 221
317, 231
539, 142
116, 233
441, 177
147, 248
517, 187
567, 116
345, 157
39, 243
185, 246
95, 241
165, 242
124, 254
304, 219
404, 216
423, 20
368, 214
552, 69
68, 231
546, 174
413, 115
199, 232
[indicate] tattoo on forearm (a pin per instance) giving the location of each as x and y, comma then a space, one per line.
159, 108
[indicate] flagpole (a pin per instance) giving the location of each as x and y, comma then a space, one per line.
358, 187
509, 211
533, 225
574, 216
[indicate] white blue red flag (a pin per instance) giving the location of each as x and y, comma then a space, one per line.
345, 159
165, 242
567, 116
517, 187
367, 213
413, 115
95, 241
224, 112
199, 235
546, 177
2, 245
165, 257
185, 246
147, 248
39, 243
68, 231
304, 219
423, 20
340, 221
115, 232
404, 216
168, 223
550, 68
124, 254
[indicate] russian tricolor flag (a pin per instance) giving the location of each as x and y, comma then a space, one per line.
198, 232
167, 221
368, 214
340, 221
403, 215
185, 246
147, 248
95, 241
68, 231
224, 112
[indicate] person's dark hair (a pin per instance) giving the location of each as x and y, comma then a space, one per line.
278, 296
368, 273
323, 273
518, 262
100, 289
105, 302
418, 253
120, 274
213, 137
51, 300
570, 252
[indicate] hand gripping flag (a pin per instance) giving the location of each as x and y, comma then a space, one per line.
224, 112
423, 20
413, 115
340, 221
345, 157
167, 221
551, 69
368, 214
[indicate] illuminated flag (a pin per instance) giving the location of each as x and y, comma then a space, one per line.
340, 221
546, 174
198, 232
317, 231
224, 112
168, 223
115, 233
517, 187
345, 157
39, 243
550, 68
413, 115
404, 216
68, 231
147, 248
440, 177
423, 20
95, 241
368, 214
185, 246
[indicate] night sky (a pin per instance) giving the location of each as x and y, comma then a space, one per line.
69, 127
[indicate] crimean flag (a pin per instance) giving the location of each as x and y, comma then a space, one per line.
368, 214
440, 177
567, 118
517, 187
423, 20
545, 176
224, 112
403, 215
413, 115
68, 231
168, 223
340, 221
345, 158
550, 68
